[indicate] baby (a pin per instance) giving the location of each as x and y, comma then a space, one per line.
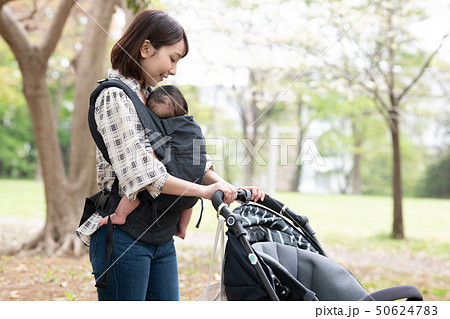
165, 102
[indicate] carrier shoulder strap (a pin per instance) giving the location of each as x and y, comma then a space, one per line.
145, 118
142, 111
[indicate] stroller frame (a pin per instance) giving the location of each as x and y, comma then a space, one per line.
234, 223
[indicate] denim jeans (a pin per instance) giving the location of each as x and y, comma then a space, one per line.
140, 271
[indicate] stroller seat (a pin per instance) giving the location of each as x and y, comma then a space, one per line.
326, 278
272, 253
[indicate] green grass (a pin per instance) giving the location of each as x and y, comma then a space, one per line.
22, 198
357, 222
365, 222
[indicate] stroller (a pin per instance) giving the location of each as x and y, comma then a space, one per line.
273, 254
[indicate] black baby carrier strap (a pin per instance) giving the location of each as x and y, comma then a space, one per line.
103, 84
179, 144
104, 203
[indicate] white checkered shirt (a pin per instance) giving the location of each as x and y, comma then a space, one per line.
123, 134
89, 227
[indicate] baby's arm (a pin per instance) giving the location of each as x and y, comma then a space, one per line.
185, 217
124, 209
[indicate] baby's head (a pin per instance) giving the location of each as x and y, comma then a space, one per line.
167, 101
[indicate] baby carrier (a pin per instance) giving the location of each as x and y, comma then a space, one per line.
272, 253
179, 143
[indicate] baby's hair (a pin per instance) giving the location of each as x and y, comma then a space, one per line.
167, 101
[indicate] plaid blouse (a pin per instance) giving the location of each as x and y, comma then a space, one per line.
124, 137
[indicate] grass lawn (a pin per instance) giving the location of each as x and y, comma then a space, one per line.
22, 198
357, 224
365, 222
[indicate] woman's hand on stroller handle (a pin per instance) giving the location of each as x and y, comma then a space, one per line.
228, 191
243, 195
256, 193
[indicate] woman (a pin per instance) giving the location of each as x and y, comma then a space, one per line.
146, 54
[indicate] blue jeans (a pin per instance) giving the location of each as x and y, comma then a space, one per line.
140, 271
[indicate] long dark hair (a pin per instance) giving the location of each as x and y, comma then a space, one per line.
153, 25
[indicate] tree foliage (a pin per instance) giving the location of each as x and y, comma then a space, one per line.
17, 145
436, 182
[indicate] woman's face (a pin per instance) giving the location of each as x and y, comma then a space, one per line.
159, 64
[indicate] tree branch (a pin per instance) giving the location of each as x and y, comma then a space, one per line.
422, 70
390, 38
13, 33
382, 108
53, 35
380, 104
30, 14
2, 2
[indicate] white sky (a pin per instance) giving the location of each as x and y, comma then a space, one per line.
193, 69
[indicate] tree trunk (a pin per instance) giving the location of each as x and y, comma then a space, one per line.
356, 169
90, 65
356, 174
58, 203
129, 14
64, 196
296, 179
250, 134
397, 230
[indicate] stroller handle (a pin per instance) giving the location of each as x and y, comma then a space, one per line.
234, 221
217, 200
244, 195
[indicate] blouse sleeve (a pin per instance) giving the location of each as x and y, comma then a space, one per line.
123, 134
209, 165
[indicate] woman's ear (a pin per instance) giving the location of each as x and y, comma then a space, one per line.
147, 49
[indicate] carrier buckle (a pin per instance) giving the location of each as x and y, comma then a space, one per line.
102, 80
102, 200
